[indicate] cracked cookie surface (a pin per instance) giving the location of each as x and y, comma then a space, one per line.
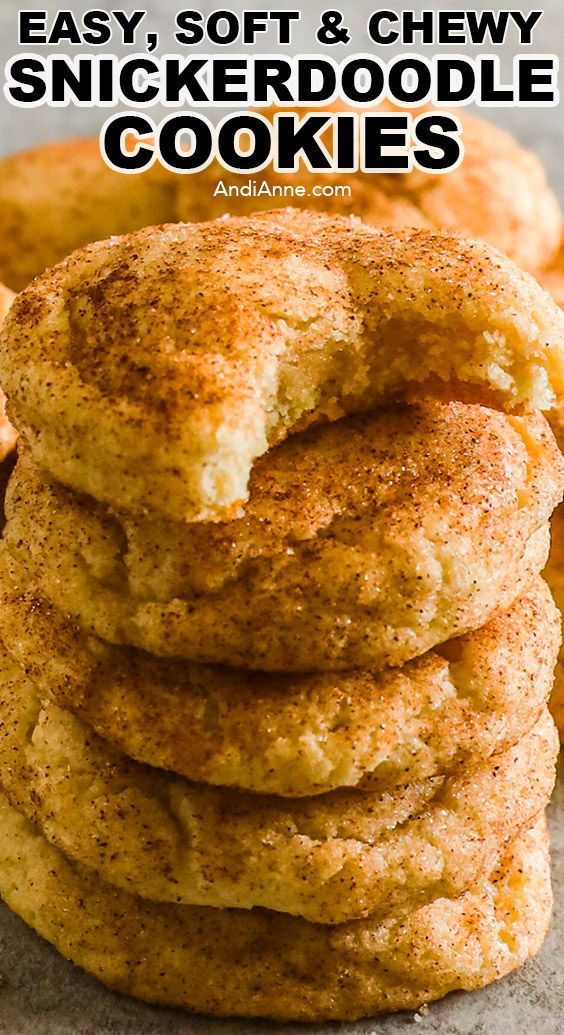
330, 858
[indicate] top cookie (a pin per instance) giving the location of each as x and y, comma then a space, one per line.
499, 193
193, 348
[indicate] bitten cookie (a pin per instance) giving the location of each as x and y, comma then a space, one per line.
331, 858
261, 964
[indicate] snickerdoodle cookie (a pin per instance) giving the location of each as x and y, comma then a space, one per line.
365, 542
302, 734
263, 964
330, 858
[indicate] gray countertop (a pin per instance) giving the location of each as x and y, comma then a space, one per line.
40, 994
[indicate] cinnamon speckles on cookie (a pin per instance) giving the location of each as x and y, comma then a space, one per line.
193, 348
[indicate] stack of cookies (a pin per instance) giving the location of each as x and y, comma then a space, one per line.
276, 650
58, 196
